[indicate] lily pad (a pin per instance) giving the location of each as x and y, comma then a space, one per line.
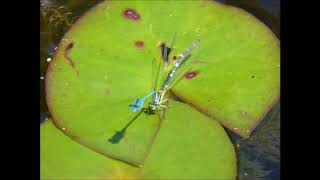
63, 158
189, 145
238, 72
104, 63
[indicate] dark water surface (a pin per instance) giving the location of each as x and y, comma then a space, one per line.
258, 157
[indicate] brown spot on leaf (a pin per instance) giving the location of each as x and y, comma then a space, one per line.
139, 44
66, 56
69, 47
131, 14
190, 75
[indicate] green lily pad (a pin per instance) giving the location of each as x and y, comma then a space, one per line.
63, 158
188, 146
104, 63
238, 79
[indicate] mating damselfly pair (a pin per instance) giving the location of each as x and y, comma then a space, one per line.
158, 93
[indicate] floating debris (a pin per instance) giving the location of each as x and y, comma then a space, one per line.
48, 59
41, 77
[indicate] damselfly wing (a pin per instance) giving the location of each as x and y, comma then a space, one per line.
159, 71
166, 50
187, 66
163, 76
159, 98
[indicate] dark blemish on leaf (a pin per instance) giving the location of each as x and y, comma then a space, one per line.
70, 46
190, 75
139, 44
252, 76
131, 14
66, 55
66, 52
174, 57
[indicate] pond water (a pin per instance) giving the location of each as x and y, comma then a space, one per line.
258, 157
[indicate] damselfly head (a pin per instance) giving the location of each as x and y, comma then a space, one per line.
153, 107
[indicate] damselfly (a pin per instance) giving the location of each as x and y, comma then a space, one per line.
158, 101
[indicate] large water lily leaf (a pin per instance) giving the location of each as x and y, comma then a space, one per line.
188, 146
238, 80
105, 62
63, 158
